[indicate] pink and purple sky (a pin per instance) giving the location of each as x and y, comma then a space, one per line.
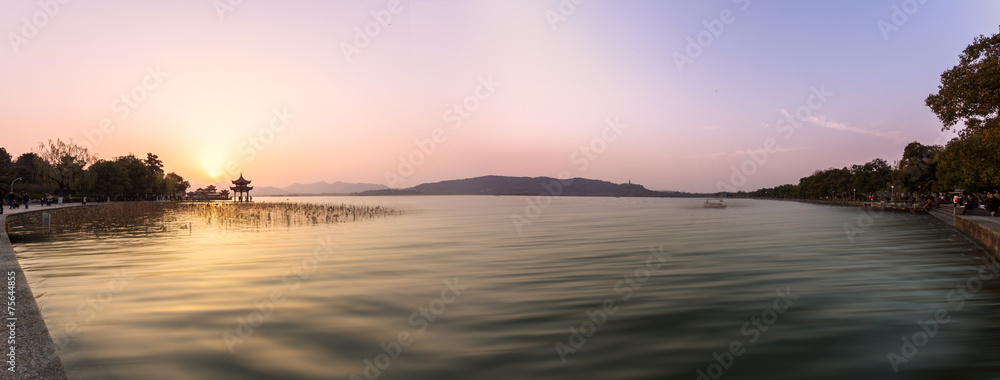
286, 91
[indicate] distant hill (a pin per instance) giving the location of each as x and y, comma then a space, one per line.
500, 185
318, 188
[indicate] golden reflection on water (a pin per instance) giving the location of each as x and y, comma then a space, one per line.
316, 301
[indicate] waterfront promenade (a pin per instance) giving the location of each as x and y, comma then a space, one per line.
981, 227
35, 355
977, 224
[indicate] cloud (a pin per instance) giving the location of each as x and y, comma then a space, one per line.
744, 152
775, 150
709, 155
895, 136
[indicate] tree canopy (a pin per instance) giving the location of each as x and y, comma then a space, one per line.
917, 170
67, 161
970, 91
64, 168
970, 163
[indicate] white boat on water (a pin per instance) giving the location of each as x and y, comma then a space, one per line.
714, 204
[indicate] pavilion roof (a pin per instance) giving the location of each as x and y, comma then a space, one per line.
241, 181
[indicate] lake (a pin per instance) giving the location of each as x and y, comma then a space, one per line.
458, 287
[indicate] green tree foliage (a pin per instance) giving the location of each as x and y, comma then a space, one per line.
859, 180
829, 182
873, 176
155, 168
141, 182
6, 165
917, 170
70, 169
35, 173
175, 184
108, 178
970, 163
154, 163
970, 91
67, 161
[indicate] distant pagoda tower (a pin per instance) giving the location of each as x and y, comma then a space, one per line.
241, 192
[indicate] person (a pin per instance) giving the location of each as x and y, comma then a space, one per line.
27, 199
992, 204
970, 204
10, 199
3, 195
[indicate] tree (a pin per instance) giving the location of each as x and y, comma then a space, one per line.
970, 163
871, 177
917, 171
970, 91
6, 165
108, 178
67, 160
34, 171
175, 184
155, 168
153, 162
829, 182
141, 182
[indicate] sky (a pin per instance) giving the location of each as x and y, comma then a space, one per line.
696, 96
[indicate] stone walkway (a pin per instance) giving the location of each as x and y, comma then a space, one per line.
35, 355
35, 207
990, 222
978, 225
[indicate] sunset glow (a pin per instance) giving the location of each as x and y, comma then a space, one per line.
205, 89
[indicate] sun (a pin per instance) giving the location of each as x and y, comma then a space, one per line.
214, 165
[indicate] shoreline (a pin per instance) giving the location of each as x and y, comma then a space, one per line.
35, 352
984, 230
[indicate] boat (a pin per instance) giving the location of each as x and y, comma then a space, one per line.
714, 204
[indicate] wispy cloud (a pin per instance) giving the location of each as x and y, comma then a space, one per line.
709, 155
775, 150
744, 152
895, 136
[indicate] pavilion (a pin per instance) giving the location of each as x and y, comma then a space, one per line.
241, 192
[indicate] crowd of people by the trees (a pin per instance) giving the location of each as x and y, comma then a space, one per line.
60, 171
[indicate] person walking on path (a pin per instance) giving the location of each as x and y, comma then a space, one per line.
26, 198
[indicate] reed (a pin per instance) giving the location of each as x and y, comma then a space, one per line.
279, 214
100, 220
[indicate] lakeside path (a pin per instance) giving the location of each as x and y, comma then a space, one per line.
982, 228
35, 353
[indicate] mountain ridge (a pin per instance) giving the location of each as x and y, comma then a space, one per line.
318, 188
505, 185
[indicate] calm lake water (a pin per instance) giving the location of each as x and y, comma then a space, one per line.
653, 288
